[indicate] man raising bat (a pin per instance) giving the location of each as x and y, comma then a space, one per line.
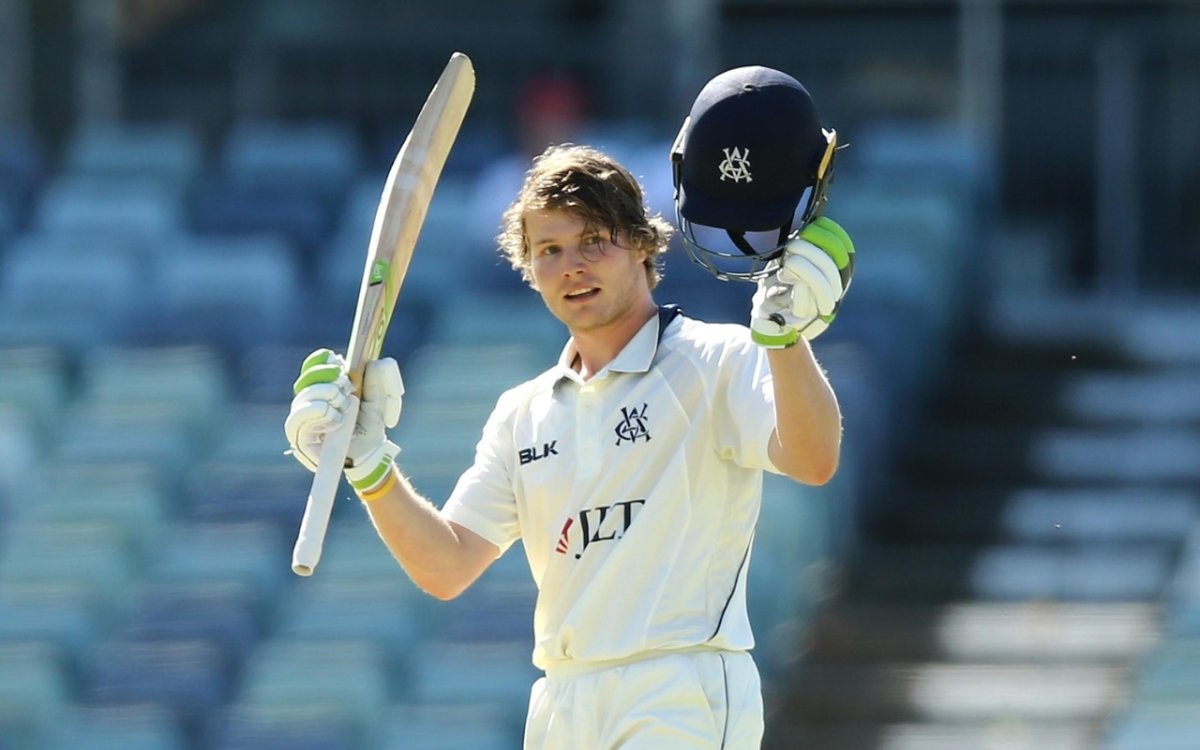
631, 469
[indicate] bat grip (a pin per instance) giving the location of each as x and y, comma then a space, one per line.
307, 552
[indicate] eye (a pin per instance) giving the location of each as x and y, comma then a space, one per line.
549, 250
592, 239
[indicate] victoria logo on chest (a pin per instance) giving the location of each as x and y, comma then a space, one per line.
634, 425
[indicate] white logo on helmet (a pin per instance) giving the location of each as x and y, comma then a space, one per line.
736, 165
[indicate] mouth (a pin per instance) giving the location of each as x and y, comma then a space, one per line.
578, 295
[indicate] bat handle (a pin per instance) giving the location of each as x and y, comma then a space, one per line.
307, 552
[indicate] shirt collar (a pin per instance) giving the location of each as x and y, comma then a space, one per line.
638, 354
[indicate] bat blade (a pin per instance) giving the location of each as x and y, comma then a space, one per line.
402, 208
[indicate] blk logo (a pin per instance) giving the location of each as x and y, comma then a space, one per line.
633, 425
607, 523
529, 455
736, 165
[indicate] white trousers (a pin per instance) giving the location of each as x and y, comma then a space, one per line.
694, 700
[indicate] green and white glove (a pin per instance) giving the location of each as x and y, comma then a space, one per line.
802, 296
323, 392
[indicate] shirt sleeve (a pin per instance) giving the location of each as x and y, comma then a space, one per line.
483, 499
743, 404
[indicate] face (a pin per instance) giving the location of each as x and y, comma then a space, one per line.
586, 279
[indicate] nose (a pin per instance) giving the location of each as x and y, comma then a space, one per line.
573, 260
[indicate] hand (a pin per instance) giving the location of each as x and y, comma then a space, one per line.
322, 393
802, 296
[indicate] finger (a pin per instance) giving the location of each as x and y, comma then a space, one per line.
317, 371
814, 277
818, 258
815, 328
335, 394
383, 388
312, 416
832, 238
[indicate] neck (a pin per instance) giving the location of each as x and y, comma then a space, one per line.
597, 347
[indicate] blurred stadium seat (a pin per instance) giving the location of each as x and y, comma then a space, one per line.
241, 489
498, 608
221, 207
286, 178
698, 294
372, 611
156, 433
34, 694
118, 728
61, 617
496, 675
189, 678
189, 381
319, 158
265, 371
1016, 572
135, 205
354, 553
451, 728
446, 255
242, 727
793, 549
226, 615
224, 292
249, 555
171, 153
19, 448
253, 435
1154, 728
344, 681
130, 498
93, 556
37, 383
23, 169
79, 298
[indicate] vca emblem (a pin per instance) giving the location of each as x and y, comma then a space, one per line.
634, 425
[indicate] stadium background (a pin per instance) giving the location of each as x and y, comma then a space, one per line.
1006, 560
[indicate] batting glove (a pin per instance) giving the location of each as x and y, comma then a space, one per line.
322, 393
802, 296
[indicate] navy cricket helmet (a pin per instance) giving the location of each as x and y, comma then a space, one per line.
751, 165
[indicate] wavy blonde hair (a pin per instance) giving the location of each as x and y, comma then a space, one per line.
597, 189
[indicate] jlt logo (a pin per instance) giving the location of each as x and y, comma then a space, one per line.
604, 524
633, 425
736, 165
527, 455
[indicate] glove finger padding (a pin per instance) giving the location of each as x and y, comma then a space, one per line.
321, 394
809, 270
816, 328
322, 366
315, 411
383, 390
828, 235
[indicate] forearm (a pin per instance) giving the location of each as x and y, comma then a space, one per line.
441, 558
808, 421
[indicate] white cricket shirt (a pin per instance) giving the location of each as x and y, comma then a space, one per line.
635, 493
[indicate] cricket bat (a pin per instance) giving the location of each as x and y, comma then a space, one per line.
402, 208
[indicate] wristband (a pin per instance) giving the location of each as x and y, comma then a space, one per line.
775, 341
374, 493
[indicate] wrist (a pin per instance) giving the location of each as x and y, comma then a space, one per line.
770, 334
370, 472
380, 488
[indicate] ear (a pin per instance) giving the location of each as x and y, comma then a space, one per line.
640, 249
